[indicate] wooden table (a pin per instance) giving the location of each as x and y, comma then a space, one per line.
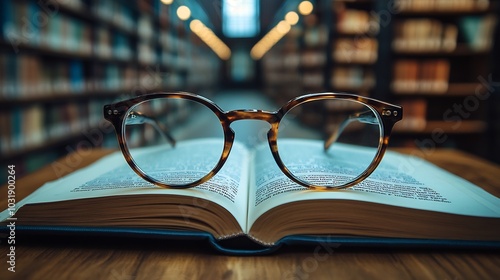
96, 258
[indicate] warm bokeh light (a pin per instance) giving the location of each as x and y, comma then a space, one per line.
283, 27
209, 37
183, 12
269, 40
167, 2
292, 18
305, 7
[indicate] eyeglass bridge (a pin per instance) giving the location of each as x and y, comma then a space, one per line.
252, 114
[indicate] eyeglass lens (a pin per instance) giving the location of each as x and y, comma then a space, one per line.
345, 134
157, 134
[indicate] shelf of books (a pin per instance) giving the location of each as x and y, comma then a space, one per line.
433, 57
354, 47
281, 68
440, 54
61, 61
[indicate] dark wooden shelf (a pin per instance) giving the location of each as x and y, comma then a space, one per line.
454, 89
431, 12
61, 97
356, 3
460, 50
352, 89
465, 127
45, 51
354, 63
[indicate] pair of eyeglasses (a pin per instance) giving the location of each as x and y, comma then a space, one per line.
320, 140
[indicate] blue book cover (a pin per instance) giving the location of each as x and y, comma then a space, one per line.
76, 76
6, 17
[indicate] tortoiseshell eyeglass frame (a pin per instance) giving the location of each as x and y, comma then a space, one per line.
387, 114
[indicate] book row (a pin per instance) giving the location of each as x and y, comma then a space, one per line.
356, 22
24, 76
117, 12
355, 50
27, 75
314, 34
434, 35
26, 23
412, 75
354, 77
477, 31
285, 62
429, 5
27, 127
415, 118
424, 35
22, 24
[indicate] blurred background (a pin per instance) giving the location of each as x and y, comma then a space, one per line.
62, 60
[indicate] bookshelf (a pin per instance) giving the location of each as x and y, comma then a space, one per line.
353, 48
281, 68
439, 55
435, 58
60, 62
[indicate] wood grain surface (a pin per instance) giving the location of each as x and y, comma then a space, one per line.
60, 257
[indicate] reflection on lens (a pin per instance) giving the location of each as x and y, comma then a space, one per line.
341, 142
158, 133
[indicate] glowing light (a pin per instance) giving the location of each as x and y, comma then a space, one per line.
167, 2
209, 37
292, 18
183, 12
283, 27
269, 40
305, 7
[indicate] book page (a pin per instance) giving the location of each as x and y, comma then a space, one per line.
399, 180
111, 176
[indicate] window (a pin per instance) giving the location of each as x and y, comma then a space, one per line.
240, 18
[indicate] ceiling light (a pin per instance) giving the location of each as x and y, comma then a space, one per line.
183, 12
167, 2
305, 8
209, 37
292, 18
283, 27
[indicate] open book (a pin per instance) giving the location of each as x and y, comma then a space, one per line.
250, 196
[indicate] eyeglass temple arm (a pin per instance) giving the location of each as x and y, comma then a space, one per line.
363, 117
135, 117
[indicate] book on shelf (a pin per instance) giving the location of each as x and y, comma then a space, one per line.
424, 35
478, 31
355, 22
352, 77
405, 201
421, 76
415, 115
30, 76
314, 34
313, 79
32, 125
310, 58
355, 50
